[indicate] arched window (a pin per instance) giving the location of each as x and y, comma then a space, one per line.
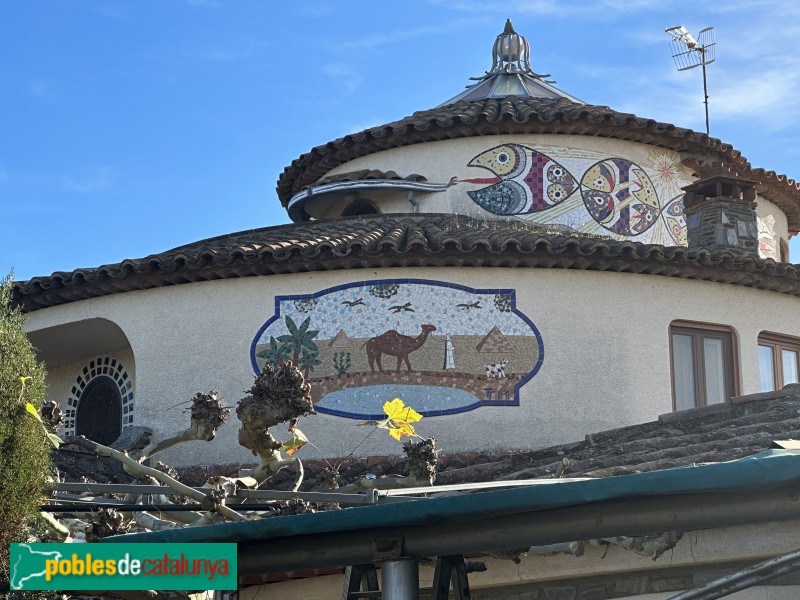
360, 207
99, 415
96, 410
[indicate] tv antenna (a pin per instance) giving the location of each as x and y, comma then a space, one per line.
689, 53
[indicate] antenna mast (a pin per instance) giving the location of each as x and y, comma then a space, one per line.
689, 53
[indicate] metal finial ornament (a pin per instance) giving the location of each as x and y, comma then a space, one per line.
511, 54
689, 53
511, 74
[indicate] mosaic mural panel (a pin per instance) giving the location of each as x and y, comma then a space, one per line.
768, 240
442, 348
585, 191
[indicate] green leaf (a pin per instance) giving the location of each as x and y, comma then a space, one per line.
54, 439
297, 441
32, 409
304, 326
290, 325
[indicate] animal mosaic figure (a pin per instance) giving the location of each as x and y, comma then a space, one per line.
469, 305
620, 196
497, 370
401, 308
395, 344
352, 303
675, 220
617, 193
526, 181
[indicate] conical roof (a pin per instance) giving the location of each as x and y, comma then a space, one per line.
511, 74
511, 99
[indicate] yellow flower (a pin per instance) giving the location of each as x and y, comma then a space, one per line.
400, 418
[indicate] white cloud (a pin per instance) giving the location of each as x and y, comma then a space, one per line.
93, 180
245, 48
110, 11
318, 10
605, 9
403, 35
347, 76
38, 90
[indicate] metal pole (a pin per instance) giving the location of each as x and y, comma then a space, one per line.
400, 579
705, 84
749, 576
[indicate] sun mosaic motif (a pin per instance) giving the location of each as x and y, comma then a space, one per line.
584, 190
443, 348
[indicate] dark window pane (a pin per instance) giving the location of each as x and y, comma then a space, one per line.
99, 416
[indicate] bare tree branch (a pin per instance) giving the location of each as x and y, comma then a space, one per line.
139, 470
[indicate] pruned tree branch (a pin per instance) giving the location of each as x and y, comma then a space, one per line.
138, 470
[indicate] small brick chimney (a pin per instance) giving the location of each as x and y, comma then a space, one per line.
720, 213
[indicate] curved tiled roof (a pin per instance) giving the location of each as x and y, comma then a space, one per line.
513, 115
510, 115
744, 426
367, 175
398, 240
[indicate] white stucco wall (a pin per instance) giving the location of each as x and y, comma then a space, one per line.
443, 160
606, 357
440, 161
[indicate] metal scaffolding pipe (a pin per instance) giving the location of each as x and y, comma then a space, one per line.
747, 577
400, 579
630, 516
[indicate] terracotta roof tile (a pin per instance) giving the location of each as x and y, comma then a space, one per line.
510, 115
679, 439
398, 240
366, 175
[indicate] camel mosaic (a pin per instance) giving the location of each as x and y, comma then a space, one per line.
442, 336
395, 344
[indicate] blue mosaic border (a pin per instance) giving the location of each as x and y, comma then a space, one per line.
102, 366
512, 293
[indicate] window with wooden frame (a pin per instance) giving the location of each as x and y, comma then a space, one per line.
778, 360
703, 364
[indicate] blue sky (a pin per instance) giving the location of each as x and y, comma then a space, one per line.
130, 127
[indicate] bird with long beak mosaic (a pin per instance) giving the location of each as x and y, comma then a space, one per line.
612, 193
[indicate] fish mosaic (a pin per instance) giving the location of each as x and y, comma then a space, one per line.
620, 196
675, 220
526, 181
584, 190
426, 342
